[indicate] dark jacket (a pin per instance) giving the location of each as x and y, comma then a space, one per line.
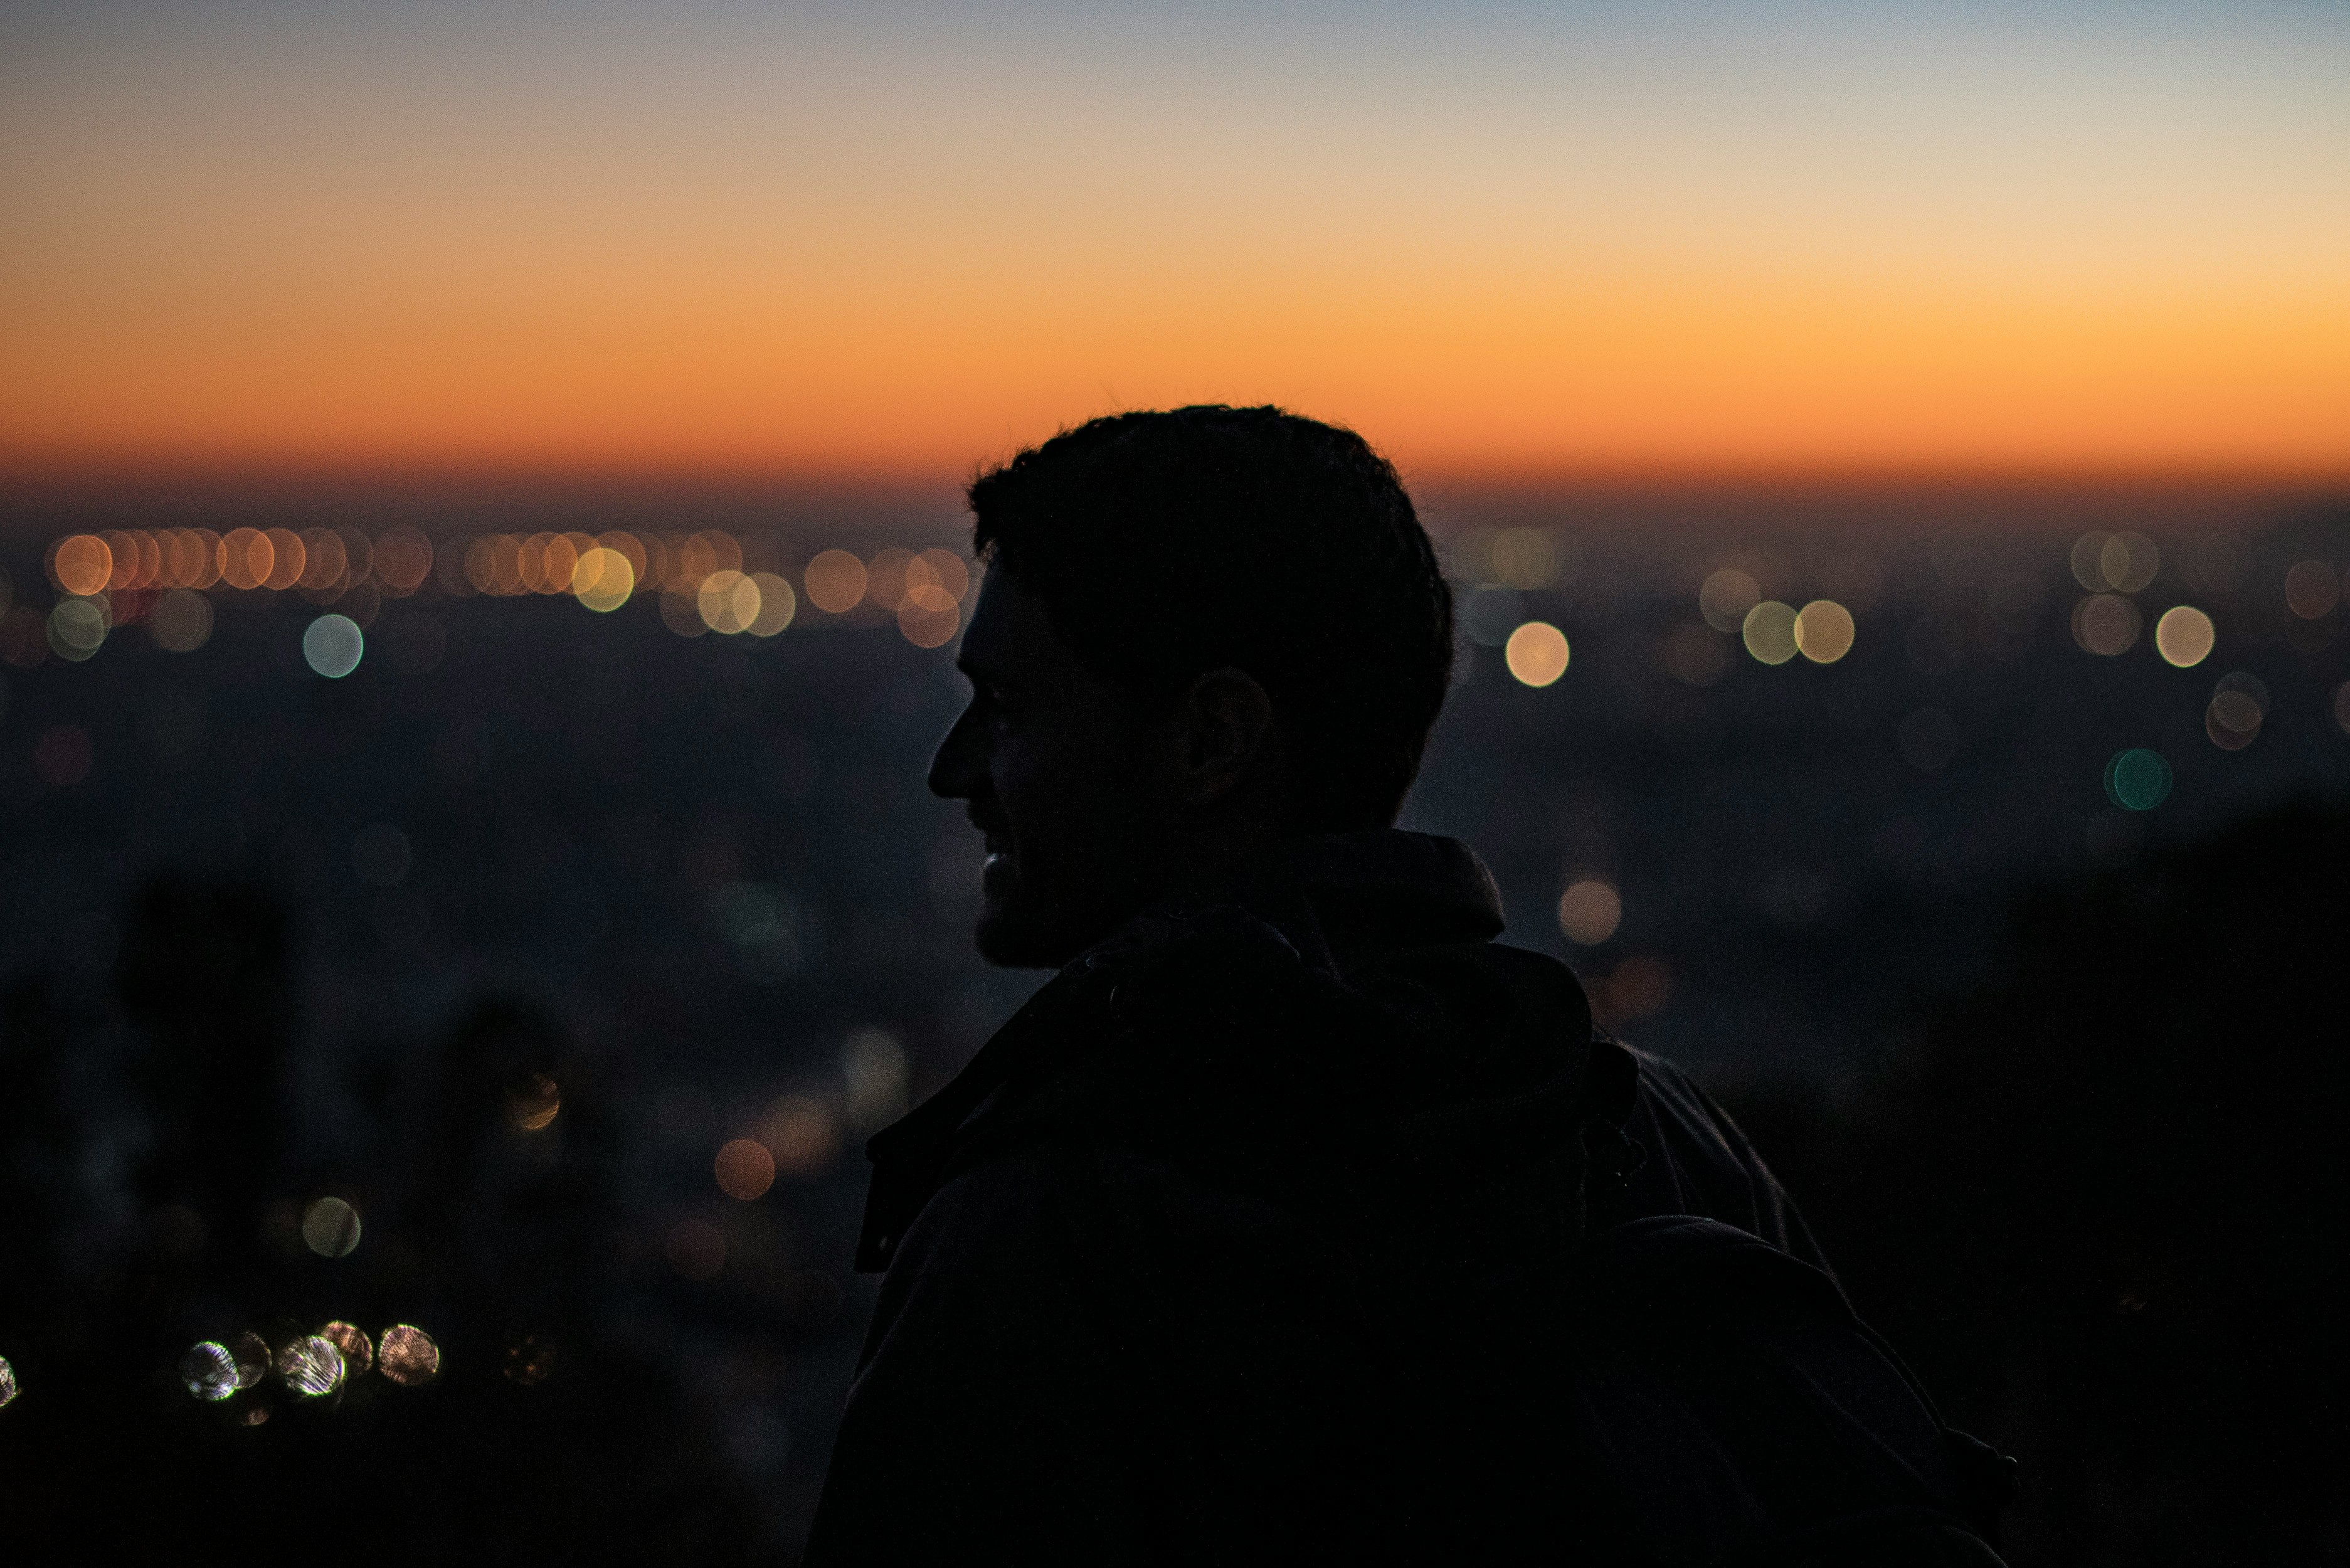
1197, 1260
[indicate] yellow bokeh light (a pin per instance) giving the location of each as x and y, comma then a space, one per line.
728, 601
556, 561
886, 580
1536, 653
2184, 635
82, 563
407, 1356
533, 1104
630, 546
603, 579
835, 581
1590, 911
1824, 631
778, 604
1769, 631
942, 569
929, 617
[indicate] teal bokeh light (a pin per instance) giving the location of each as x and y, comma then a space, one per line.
2138, 779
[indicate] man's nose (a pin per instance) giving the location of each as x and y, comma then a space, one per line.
958, 768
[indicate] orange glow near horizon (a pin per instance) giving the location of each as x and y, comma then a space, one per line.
289, 262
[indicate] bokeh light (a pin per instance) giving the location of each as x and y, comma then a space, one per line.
78, 627
2238, 706
2311, 590
2116, 563
245, 558
778, 604
325, 561
940, 569
1824, 631
529, 1360
403, 559
927, 617
407, 1356
81, 564
333, 645
209, 1370
1536, 653
727, 601
1526, 559
886, 577
603, 579
746, 1170
287, 559
182, 620
1769, 631
1725, 598
8, 1389
2342, 706
873, 1069
330, 1227
533, 1102
311, 1365
194, 558
798, 1130
835, 581
2105, 625
352, 1341
2138, 779
2184, 635
250, 1355
1590, 911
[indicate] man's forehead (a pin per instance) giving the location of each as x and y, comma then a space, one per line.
1008, 630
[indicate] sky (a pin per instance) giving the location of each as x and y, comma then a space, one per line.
900, 240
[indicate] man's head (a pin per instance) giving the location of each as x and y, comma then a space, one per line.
1202, 631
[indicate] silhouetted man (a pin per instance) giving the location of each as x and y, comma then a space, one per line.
1263, 1231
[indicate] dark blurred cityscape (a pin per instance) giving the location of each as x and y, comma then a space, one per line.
480, 947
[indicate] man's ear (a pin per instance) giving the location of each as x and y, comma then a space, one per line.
1224, 730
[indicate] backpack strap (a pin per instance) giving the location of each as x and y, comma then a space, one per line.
1738, 1412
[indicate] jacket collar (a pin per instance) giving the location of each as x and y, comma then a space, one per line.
1339, 894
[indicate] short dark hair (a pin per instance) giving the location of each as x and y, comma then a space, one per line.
1163, 545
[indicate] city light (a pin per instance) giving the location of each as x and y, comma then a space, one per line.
2184, 637
1590, 911
333, 645
1824, 631
407, 1356
2138, 779
1536, 653
1769, 632
330, 1227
